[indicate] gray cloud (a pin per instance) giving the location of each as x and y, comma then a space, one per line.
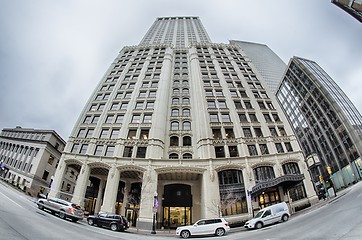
54, 53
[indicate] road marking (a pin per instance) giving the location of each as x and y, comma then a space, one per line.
12, 200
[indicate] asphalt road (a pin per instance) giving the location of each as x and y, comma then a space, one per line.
340, 218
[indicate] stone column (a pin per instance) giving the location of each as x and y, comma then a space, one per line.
99, 196
247, 179
110, 194
149, 187
81, 185
127, 189
58, 178
210, 196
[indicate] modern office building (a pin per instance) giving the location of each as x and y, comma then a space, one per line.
270, 66
352, 7
180, 128
327, 124
29, 158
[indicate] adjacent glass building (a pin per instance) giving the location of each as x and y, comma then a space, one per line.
186, 129
327, 124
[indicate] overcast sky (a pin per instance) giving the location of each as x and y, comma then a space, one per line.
54, 53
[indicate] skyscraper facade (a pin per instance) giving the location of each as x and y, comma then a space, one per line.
268, 64
181, 128
327, 124
352, 7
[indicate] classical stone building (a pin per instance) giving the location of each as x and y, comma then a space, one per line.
185, 128
29, 157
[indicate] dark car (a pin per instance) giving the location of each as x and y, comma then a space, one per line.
113, 221
64, 209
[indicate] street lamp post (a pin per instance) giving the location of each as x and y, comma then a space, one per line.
155, 205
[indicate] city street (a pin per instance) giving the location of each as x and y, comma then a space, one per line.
339, 218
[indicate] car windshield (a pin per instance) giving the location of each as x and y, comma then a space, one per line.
76, 206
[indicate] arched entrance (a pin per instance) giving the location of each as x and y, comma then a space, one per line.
177, 205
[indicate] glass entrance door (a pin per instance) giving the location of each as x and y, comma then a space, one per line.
176, 216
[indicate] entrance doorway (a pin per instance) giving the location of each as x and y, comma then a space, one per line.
177, 205
176, 216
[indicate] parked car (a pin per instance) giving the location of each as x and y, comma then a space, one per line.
269, 215
63, 208
113, 221
213, 226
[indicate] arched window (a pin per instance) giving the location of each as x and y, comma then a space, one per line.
174, 126
175, 101
173, 156
186, 141
291, 168
176, 91
186, 101
186, 126
187, 156
185, 91
186, 112
173, 141
174, 112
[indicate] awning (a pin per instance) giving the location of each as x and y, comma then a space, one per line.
285, 181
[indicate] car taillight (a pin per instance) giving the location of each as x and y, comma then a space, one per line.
71, 210
226, 224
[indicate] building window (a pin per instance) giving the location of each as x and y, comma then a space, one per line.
264, 149
233, 151
186, 126
104, 133
147, 118
83, 149
242, 118
81, 133
174, 112
132, 134
173, 156
291, 168
247, 133
150, 105
273, 131
174, 141
186, 141
186, 112
127, 151
229, 133
264, 173
252, 150
144, 134
187, 156
98, 151
141, 152
119, 118
219, 152
110, 151
288, 146
258, 132
214, 118
279, 147
135, 119
225, 118
45, 175
51, 160
114, 133
174, 126
75, 148
89, 133
216, 133
109, 119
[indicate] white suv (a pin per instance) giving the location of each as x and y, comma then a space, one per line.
216, 226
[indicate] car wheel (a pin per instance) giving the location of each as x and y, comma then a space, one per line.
90, 222
41, 207
285, 218
114, 227
220, 232
62, 214
258, 225
185, 234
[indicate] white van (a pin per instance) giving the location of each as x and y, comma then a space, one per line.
269, 215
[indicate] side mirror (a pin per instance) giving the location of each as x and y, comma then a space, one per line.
195, 225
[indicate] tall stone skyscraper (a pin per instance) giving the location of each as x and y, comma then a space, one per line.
185, 128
